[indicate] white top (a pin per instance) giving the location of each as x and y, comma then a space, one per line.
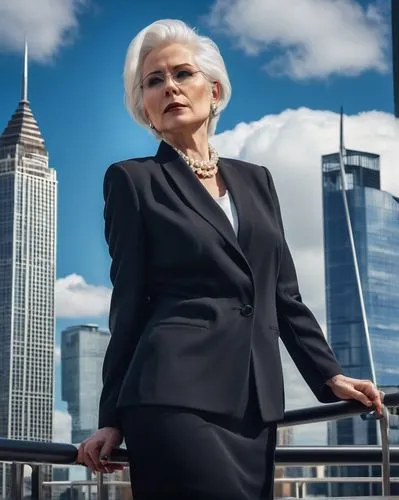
226, 203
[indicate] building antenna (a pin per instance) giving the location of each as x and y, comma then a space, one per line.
24, 97
341, 133
344, 189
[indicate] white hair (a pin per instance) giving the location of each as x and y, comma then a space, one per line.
164, 31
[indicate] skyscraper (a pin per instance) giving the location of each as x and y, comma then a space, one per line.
367, 350
28, 198
82, 353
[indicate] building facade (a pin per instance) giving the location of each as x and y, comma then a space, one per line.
28, 201
363, 352
82, 353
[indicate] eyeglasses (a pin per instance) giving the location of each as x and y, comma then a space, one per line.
179, 76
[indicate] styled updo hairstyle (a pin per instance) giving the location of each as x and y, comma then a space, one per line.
164, 31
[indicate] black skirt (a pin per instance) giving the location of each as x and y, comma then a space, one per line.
184, 454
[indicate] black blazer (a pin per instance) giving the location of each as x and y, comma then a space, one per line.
192, 303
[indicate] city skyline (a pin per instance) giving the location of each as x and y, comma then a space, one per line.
285, 121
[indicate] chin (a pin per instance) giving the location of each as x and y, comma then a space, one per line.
175, 123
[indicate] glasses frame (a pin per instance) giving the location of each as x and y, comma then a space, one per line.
168, 73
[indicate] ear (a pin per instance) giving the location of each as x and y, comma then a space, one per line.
216, 91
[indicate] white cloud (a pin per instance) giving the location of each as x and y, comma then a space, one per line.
307, 38
298, 395
62, 427
290, 145
76, 298
48, 24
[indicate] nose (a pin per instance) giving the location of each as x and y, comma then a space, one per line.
170, 85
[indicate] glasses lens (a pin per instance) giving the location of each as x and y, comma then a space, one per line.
153, 81
183, 75
180, 77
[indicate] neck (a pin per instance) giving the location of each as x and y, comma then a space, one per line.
195, 145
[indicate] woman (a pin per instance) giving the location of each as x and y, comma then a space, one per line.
204, 285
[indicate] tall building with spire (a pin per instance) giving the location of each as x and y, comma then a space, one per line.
361, 241
28, 200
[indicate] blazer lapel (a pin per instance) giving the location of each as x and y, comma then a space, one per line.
237, 186
198, 198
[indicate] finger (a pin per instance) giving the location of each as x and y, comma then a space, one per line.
370, 390
114, 467
381, 401
362, 398
89, 463
80, 455
106, 450
93, 453
365, 385
373, 394
378, 404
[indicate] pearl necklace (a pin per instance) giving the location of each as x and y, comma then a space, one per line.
203, 168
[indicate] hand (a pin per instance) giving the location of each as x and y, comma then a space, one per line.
361, 390
95, 450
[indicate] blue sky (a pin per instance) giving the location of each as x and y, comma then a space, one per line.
310, 61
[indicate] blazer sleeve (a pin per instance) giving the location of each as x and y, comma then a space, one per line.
299, 329
124, 236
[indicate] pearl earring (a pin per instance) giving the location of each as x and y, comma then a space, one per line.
150, 125
214, 109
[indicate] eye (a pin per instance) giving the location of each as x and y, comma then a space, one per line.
183, 74
153, 81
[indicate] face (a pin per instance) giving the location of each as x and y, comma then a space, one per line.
170, 75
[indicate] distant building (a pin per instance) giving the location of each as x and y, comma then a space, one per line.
60, 473
28, 213
363, 352
82, 353
285, 436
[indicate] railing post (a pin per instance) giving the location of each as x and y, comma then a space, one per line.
100, 486
297, 489
17, 481
301, 489
385, 467
36, 481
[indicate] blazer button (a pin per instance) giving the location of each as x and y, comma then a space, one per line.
247, 310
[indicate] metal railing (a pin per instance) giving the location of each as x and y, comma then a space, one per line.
33, 453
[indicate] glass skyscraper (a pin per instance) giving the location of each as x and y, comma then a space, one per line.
28, 200
82, 354
374, 217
